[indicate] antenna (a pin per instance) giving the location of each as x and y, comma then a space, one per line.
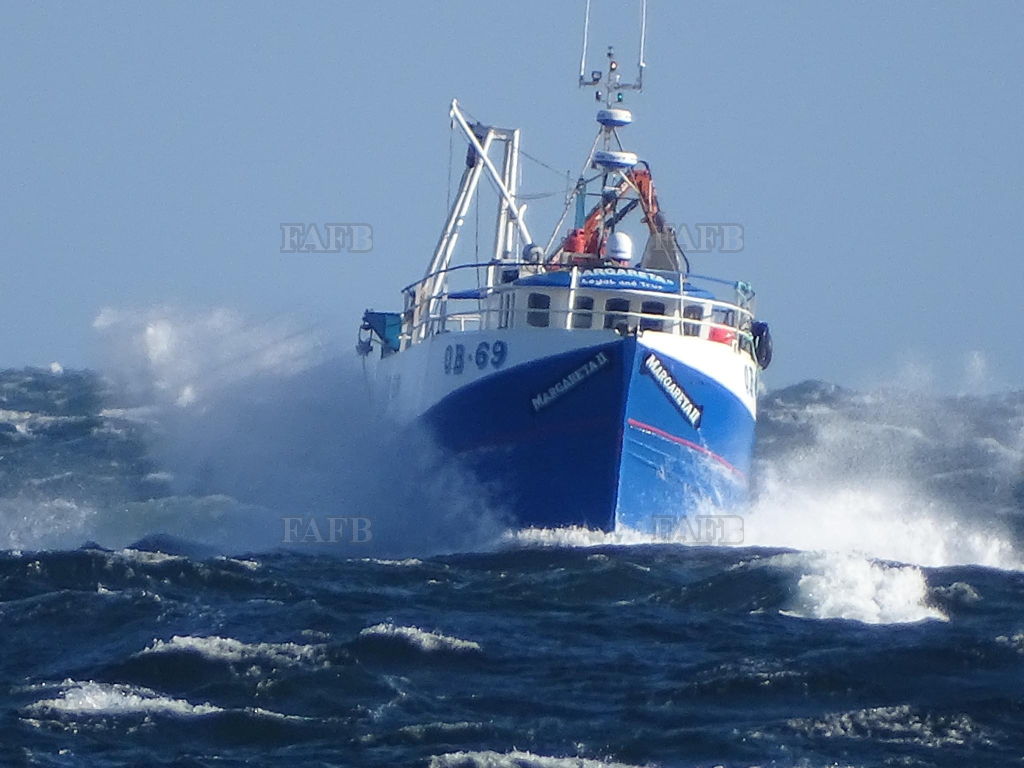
613, 83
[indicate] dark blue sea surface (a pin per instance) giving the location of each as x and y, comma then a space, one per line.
151, 612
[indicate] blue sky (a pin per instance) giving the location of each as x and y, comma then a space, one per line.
149, 153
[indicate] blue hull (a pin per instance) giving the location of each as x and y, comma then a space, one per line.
604, 437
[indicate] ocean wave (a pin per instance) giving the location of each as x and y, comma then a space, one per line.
28, 524
232, 650
434, 732
429, 642
147, 557
844, 586
887, 521
516, 759
900, 724
1015, 641
404, 563
577, 537
892, 475
92, 698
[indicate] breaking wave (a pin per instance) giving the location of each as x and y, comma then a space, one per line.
428, 642
891, 475
92, 698
231, 650
883, 476
236, 436
212, 429
844, 586
515, 759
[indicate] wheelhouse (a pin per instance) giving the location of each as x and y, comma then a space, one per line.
622, 300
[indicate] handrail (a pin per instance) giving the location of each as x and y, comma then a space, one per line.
719, 280
687, 300
479, 265
677, 324
426, 315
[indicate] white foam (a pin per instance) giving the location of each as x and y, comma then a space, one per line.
182, 357
884, 521
25, 422
425, 641
405, 563
844, 586
249, 565
515, 759
29, 524
433, 732
861, 477
40, 481
143, 414
895, 725
91, 698
1016, 641
146, 557
229, 649
958, 591
574, 536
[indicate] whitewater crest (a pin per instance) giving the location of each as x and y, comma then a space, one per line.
516, 759
231, 650
92, 698
113, 459
845, 586
897, 476
900, 724
429, 642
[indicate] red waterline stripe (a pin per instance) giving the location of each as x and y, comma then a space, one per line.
682, 441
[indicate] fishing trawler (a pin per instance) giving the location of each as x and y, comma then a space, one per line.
585, 385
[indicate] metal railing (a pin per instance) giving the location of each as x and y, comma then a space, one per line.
736, 337
686, 314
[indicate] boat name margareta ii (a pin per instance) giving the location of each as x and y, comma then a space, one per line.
570, 382
690, 410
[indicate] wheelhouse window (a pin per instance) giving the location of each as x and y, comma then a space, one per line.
612, 308
507, 308
723, 317
583, 312
652, 308
538, 304
692, 312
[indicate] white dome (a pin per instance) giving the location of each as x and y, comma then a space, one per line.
615, 117
620, 247
611, 160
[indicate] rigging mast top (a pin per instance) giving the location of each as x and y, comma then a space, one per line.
614, 85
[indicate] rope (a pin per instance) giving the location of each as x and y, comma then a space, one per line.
541, 163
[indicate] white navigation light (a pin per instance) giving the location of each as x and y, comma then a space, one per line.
615, 117
620, 247
612, 160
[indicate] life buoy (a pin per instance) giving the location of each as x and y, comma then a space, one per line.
762, 343
721, 335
